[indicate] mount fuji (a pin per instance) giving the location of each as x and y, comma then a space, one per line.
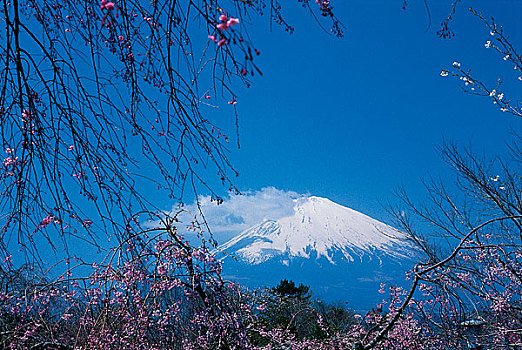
342, 254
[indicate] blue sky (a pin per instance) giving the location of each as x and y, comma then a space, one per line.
352, 119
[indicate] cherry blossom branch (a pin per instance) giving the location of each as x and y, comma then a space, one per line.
418, 276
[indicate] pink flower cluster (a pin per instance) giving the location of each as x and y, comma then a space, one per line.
226, 22
224, 25
106, 5
46, 221
26, 115
325, 8
10, 161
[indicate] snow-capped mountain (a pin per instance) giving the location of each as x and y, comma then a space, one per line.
342, 254
319, 228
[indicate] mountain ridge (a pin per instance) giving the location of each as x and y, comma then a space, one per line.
318, 228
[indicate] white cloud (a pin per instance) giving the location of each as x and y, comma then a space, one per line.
239, 212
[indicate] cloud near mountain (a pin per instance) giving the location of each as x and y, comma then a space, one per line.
239, 212
344, 255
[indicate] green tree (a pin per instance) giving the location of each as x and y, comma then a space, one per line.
289, 289
291, 308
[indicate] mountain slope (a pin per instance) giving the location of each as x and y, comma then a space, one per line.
319, 228
342, 254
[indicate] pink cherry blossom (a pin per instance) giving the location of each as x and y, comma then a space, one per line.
232, 21
9, 161
46, 221
109, 6
222, 42
222, 26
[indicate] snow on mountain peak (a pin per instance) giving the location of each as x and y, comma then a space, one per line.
318, 228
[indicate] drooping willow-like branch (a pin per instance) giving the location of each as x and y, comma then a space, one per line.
106, 107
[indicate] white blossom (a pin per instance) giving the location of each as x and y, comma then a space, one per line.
444, 73
466, 80
456, 64
487, 45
